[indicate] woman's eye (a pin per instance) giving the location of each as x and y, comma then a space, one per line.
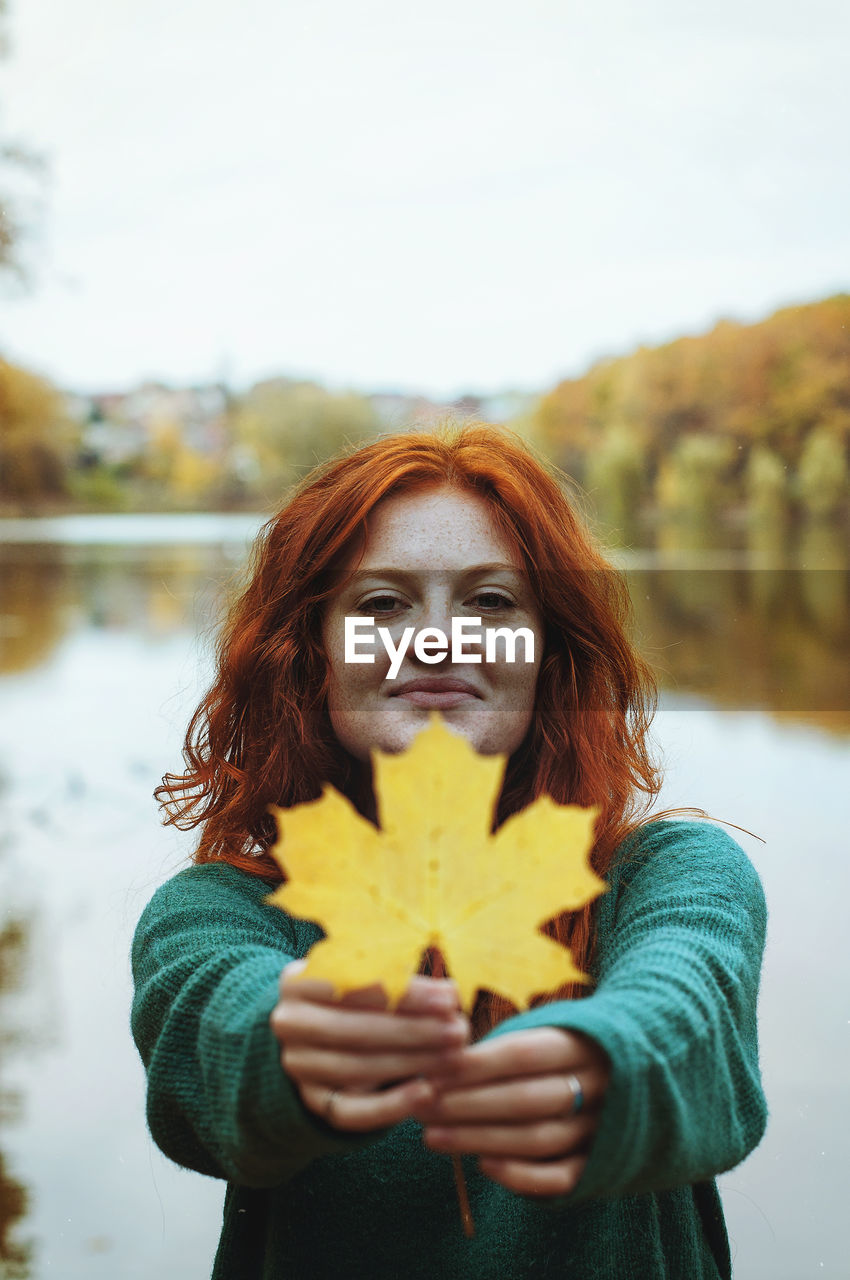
379, 604
494, 600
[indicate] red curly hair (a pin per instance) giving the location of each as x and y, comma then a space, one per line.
262, 734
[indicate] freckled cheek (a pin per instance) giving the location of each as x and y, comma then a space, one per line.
518, 675
351, 682
516, 685
517, 695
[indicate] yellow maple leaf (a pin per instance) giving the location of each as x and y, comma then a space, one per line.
434, 876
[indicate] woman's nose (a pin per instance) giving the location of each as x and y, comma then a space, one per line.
438, 620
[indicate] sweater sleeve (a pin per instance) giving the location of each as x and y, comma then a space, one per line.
207, 956
678, 960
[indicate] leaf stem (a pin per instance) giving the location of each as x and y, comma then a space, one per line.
463, 1198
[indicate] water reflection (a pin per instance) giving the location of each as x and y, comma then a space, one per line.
34, 606
47, 592
53, 596
767, 628
15, 1255
768, 639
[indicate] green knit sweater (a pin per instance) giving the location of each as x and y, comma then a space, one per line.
680, 939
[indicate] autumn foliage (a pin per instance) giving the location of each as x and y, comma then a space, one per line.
36, 438
756, 416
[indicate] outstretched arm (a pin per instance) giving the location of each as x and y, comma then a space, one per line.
242, 1061
207, 958
674, 1016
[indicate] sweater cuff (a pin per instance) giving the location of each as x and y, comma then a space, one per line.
284, 1134
607, 1170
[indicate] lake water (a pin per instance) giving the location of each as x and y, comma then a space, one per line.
105, 633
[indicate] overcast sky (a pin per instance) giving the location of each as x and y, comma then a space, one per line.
461, 194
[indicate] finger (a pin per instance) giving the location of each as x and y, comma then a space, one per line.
533, 1178
358, 1113
542, 1051
437, 996
430, 995
523, 1098
303, 1022
340, 1068
295, 987
539, 1141
424, 995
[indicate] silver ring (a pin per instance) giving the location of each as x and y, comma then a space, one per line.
329, 1104
578, 1095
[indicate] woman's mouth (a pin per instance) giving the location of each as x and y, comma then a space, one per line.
423, 698
440, 692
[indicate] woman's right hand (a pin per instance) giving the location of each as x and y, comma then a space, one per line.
358, 1064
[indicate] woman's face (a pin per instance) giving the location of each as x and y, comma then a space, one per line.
429, 557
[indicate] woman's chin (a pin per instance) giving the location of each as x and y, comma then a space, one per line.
465, 720
394, 729
397, 732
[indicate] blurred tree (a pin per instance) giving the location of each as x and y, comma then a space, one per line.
823, 480
743, 386
615, 476
694, 479
16, 163
37, 440
767, 486
169, 472
192, 476
282, 429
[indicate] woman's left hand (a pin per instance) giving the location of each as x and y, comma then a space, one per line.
512, 1102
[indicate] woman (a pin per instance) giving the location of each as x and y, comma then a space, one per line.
591, 1126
